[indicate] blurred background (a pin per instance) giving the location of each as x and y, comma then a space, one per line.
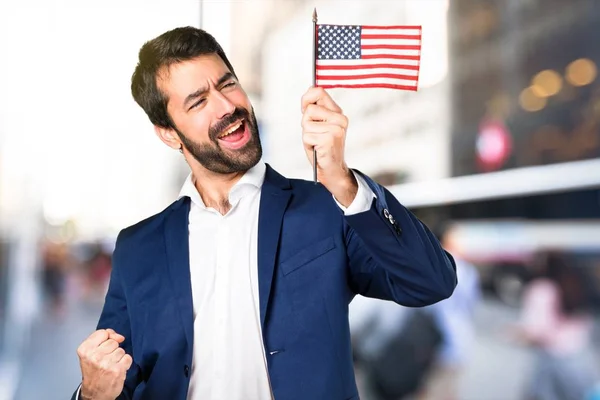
498, 153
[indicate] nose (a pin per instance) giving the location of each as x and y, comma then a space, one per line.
223, 106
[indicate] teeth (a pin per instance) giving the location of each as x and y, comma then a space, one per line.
231, 130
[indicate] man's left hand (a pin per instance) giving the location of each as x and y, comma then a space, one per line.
324, 129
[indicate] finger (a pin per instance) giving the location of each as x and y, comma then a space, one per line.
96, 339
125, 362
318, 95
322, 128
114, 357
315, 127
318, 141
319, 113
115, 336
108, 347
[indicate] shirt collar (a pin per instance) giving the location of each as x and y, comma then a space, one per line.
251, 181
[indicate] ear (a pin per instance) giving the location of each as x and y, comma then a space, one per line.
168, 136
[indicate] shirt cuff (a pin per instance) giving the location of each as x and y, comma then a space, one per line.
362, 201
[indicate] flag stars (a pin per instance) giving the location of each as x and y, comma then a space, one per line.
339, 42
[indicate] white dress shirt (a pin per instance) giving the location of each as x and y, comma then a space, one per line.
229, 359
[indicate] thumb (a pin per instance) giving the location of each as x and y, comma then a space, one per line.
115, 336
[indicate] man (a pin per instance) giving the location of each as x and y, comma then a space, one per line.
240, 288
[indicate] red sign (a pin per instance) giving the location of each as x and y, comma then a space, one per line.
493, 146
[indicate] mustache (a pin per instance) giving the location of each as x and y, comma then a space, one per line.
236, 115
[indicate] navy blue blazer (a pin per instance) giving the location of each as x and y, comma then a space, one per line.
312, 261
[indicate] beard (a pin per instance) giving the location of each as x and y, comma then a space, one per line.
214, 158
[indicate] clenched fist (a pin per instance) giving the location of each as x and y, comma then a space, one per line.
103, 364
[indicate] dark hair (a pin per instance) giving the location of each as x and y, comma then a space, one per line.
571, 279
174, 46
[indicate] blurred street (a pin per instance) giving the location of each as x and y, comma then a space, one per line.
51, 369
498, 369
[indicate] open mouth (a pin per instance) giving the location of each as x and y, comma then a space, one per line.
235, 136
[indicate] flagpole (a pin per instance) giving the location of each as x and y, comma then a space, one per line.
314, 71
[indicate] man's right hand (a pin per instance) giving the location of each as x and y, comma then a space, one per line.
103, 364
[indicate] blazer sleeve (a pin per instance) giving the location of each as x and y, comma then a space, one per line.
115, 315
392, 255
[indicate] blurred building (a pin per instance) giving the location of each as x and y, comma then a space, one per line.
525, 92
525, 136
525, 112
525, 86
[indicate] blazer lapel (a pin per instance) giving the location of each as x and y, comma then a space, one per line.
177, 244
274, 199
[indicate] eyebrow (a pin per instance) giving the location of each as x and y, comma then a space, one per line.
204, 90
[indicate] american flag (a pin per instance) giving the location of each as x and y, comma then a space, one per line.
362, 56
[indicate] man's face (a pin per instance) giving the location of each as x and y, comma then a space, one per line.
212, 114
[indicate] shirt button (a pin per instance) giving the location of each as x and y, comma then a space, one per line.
186, 371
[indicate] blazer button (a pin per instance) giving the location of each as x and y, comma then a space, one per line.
386, 213
186, 371
389, 216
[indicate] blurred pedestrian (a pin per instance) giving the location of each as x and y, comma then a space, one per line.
54, 260
454, 318
99, 267
556, 322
